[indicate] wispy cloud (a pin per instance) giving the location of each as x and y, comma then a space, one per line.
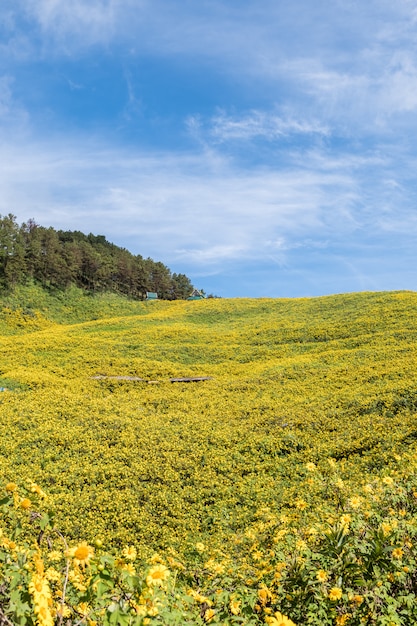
133, 107
73, 85
77, 23
186, 210
372, 98
262, 124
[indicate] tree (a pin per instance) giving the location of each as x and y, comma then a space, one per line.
61, 258
181, 287
12, 252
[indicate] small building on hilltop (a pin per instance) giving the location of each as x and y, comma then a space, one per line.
196, 295
151, 295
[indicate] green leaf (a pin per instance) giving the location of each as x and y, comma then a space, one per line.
45, 521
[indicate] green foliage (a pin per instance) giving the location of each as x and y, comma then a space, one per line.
29, 307
60, 259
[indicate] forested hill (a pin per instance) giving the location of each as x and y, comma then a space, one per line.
56, 258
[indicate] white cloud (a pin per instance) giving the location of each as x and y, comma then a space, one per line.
262, 124
69, 23
184, 209
211, 255
370, 99
255, 35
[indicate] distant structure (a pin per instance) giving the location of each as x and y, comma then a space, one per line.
196, 295
151, 295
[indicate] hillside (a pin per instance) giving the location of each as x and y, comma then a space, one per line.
310, 405
58, 260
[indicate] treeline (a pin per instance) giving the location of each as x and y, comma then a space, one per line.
58, 259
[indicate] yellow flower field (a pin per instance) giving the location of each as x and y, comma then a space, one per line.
307, 424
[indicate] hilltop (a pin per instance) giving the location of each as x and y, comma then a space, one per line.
57, 260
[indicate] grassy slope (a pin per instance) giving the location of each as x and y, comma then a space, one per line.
293, 381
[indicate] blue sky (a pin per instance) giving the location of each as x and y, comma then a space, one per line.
262, 147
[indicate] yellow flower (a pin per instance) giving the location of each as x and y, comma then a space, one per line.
140, 609
357, 599
387, 480
235, 606
151, 609
200, 547
36, 489
156, 558
279, 620
355, 502
41, 593
198, 597
174, 564
25, 503
77, 579
321, 576
81, 553
397, 553
311, 467
63, 610
129, 553
280, 535
264, 595
128, 567
335, 593
301, 504
11, 487
52, 574
209, 614
83, 608
216, 568
301, 545
341, 620
157, 575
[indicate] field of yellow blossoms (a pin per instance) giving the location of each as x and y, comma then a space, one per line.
282, 490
